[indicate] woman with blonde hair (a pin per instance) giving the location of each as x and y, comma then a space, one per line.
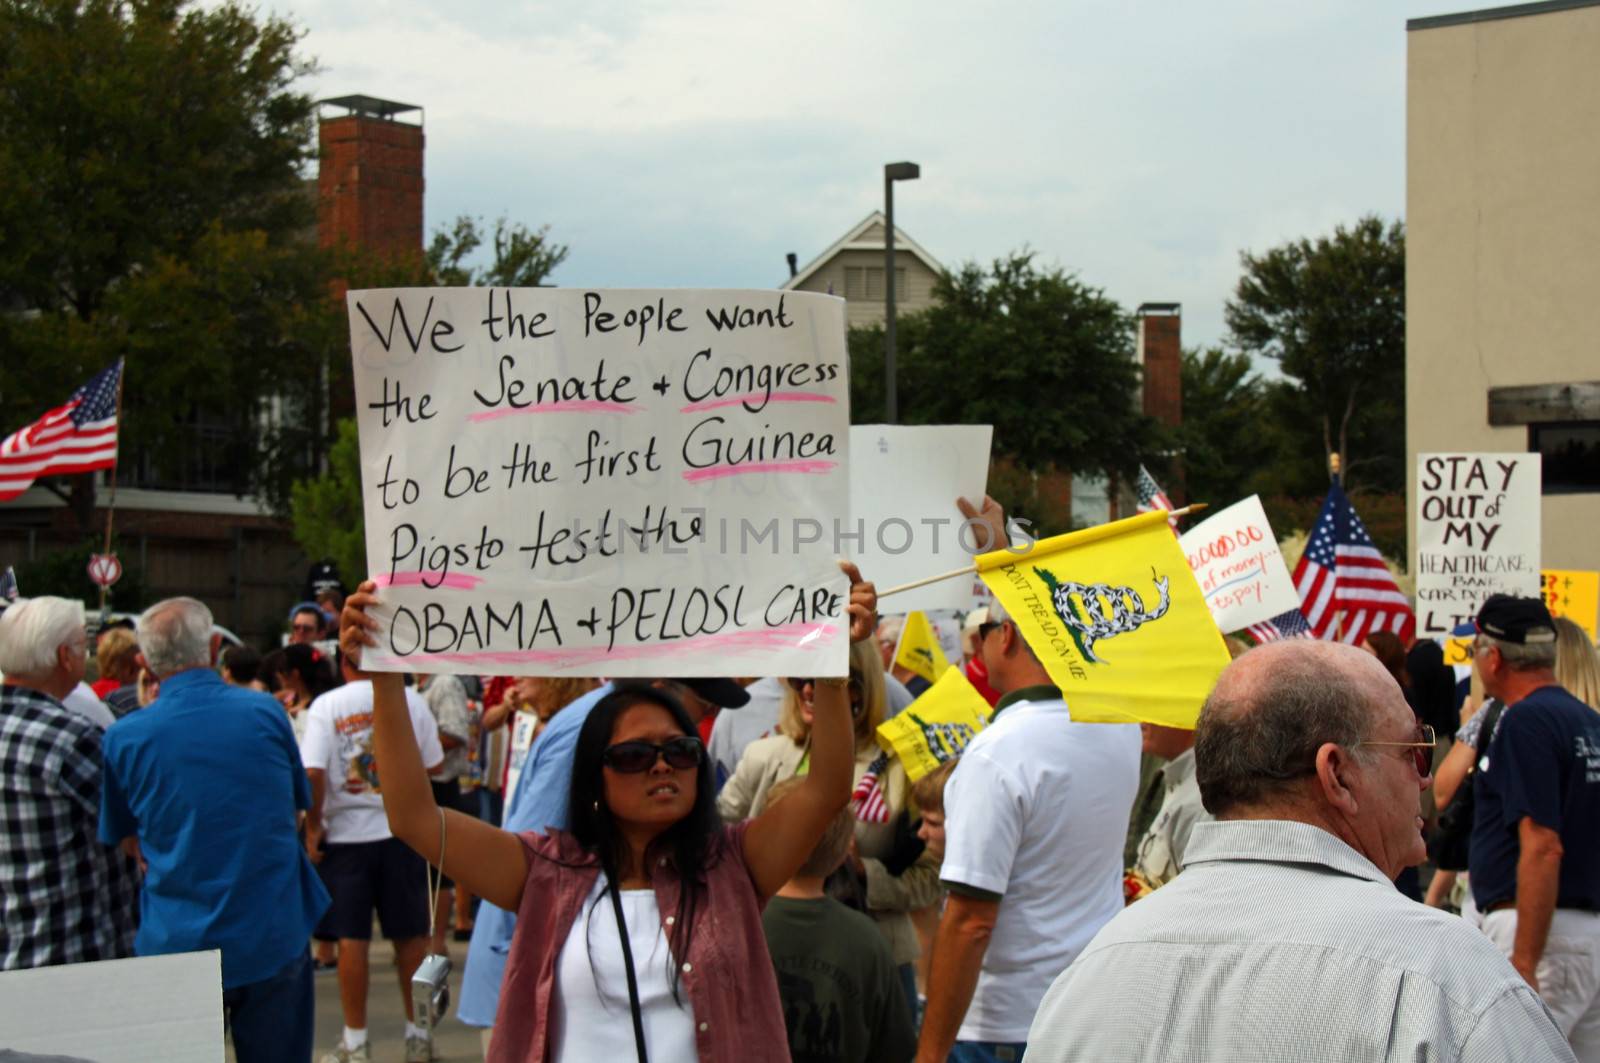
1577, 663
881, 810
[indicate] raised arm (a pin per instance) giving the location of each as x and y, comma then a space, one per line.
485, 860
781, 838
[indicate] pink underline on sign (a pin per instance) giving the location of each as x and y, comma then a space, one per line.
756, 396
716, 472
573, 406
457, 580
788, 636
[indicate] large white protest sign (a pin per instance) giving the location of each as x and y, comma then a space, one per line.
153, 1007
904, 482
619, 483
1477, 534
1236, 561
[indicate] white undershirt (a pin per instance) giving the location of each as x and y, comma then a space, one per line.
597, 1024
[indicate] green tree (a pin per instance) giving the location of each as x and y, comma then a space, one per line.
1227, 439
152, 206
1046, 359
1331, 312
326, 510
522, 257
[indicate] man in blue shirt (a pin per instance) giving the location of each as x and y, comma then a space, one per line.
1534, 859
539, 803
204, 786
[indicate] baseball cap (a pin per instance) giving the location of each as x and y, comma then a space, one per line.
724, 693
1512, 619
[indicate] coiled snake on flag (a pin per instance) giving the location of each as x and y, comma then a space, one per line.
1105, 610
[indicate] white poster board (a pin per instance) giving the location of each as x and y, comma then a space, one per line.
904, 524
1236, 561
1477, 534
153, 1007
616, 483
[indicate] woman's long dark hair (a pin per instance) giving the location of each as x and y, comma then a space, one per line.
687, 843
314, 670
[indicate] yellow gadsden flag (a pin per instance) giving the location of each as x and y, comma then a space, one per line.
919, 648
937, 726
1117, 619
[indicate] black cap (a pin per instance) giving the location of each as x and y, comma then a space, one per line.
721, 692
1519, 620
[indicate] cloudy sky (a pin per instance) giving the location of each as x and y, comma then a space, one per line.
1140, 145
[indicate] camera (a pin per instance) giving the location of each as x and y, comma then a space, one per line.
430, 992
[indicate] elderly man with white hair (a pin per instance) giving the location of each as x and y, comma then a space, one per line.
205, 783
64, 896
1284, 938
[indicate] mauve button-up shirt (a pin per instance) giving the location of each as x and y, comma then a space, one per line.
727, 974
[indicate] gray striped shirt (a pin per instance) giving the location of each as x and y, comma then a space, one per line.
1277, 942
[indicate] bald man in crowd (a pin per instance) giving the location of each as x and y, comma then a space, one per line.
1284, 937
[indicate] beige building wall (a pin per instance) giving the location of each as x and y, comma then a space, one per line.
853, 270
1503, 235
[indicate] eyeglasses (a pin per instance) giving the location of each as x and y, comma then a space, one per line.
631, 758
1421, 751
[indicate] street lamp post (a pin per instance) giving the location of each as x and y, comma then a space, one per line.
892, 172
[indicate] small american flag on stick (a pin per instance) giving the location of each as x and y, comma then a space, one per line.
869, 801
1152, 497
1289, 625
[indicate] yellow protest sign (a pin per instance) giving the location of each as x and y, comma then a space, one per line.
1574, 595
919, 648
1458, 651
937, 726
1116, 618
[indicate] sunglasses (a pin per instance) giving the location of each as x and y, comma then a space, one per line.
631, 758
985, 628
1421, 751
856, 686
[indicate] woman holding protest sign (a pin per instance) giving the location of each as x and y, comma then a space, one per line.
649, 903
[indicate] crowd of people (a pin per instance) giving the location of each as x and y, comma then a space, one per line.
716, 869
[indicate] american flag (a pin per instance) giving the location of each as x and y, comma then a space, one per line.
1151, 497
1290, 625
869, 802
1150, 494
78, 436
1345, 588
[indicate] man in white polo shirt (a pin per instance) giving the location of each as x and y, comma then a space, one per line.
1036, 815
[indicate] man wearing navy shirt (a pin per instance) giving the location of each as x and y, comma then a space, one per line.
1535, 853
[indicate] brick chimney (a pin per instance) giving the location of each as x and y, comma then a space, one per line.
369, 183
1161, 354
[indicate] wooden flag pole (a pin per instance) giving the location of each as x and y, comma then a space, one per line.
111, 502
969, 570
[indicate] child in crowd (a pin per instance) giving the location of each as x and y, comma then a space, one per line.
927, 793
836, 976
927, 796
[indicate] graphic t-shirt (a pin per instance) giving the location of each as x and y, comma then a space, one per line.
338, 740
1543, 764
841, 995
